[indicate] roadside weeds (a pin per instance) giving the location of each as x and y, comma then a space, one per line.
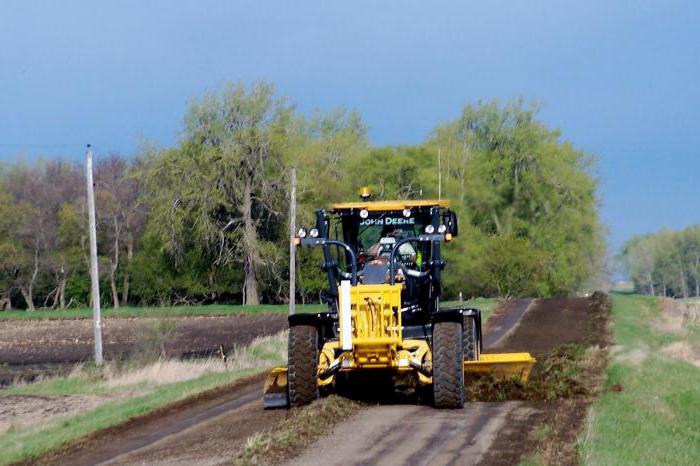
647, 413
297, 431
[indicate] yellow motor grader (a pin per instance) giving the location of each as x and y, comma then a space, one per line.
384, 265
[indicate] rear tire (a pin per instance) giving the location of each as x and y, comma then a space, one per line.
302, 365
471, 341
448, 365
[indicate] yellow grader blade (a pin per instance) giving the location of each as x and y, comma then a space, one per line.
503, 365
275, 392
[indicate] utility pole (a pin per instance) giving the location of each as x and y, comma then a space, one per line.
439, 174
292, 246
94, 276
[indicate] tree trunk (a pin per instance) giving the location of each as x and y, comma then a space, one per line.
7, 301
214, 295
62, 293
28, 291
127, 278
684, 284
251, 257
113, 284
497, 222
27, 295
114, 264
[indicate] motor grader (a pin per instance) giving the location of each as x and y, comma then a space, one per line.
384, 265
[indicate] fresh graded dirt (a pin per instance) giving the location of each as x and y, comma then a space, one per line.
47, 347
209, 430
493, 433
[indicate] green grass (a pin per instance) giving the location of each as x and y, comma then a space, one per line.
211, 309
57, 387
30, 442
486, 304
655, 419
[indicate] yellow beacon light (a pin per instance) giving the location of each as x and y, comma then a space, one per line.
364, 192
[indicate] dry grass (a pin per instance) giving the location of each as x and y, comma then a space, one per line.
684, 351
262, 352
634, 357
296, 432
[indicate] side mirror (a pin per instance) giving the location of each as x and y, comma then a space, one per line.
451, 223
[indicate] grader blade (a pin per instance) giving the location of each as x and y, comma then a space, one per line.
275, 392
503, 365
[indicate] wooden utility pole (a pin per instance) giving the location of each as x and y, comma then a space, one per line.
94, 276
292, 246
439, 174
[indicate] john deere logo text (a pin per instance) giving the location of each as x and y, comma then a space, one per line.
388, 221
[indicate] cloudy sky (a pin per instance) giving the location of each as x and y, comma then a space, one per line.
619, 78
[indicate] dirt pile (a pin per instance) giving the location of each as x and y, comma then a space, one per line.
297, 431
570, 338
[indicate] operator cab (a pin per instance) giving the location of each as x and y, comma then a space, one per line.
371, 232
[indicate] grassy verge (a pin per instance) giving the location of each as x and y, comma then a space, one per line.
212, 309
649, 413
296, 432
127, 393
486, 304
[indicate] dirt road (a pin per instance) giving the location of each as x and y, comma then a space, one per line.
481, 433
211, 430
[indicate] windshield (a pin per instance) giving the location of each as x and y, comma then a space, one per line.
372, 230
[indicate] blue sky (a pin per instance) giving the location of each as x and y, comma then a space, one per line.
620, 79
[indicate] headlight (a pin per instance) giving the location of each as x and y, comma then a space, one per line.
313, 233
407, 213
442, 229
364, 213
301, 233
429, 229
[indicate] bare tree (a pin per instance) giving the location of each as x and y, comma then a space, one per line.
41, 190
121, 217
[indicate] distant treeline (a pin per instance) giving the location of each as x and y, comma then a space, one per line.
206, 221
666, 263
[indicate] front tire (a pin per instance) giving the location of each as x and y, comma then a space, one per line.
302, 365
448, 365
471, 341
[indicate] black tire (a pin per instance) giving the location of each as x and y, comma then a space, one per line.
470, 338
302, 365
448, 365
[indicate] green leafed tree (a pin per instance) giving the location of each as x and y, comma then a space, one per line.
220, 190
517, 183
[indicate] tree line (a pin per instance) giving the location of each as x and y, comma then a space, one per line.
206, 221
666, 263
